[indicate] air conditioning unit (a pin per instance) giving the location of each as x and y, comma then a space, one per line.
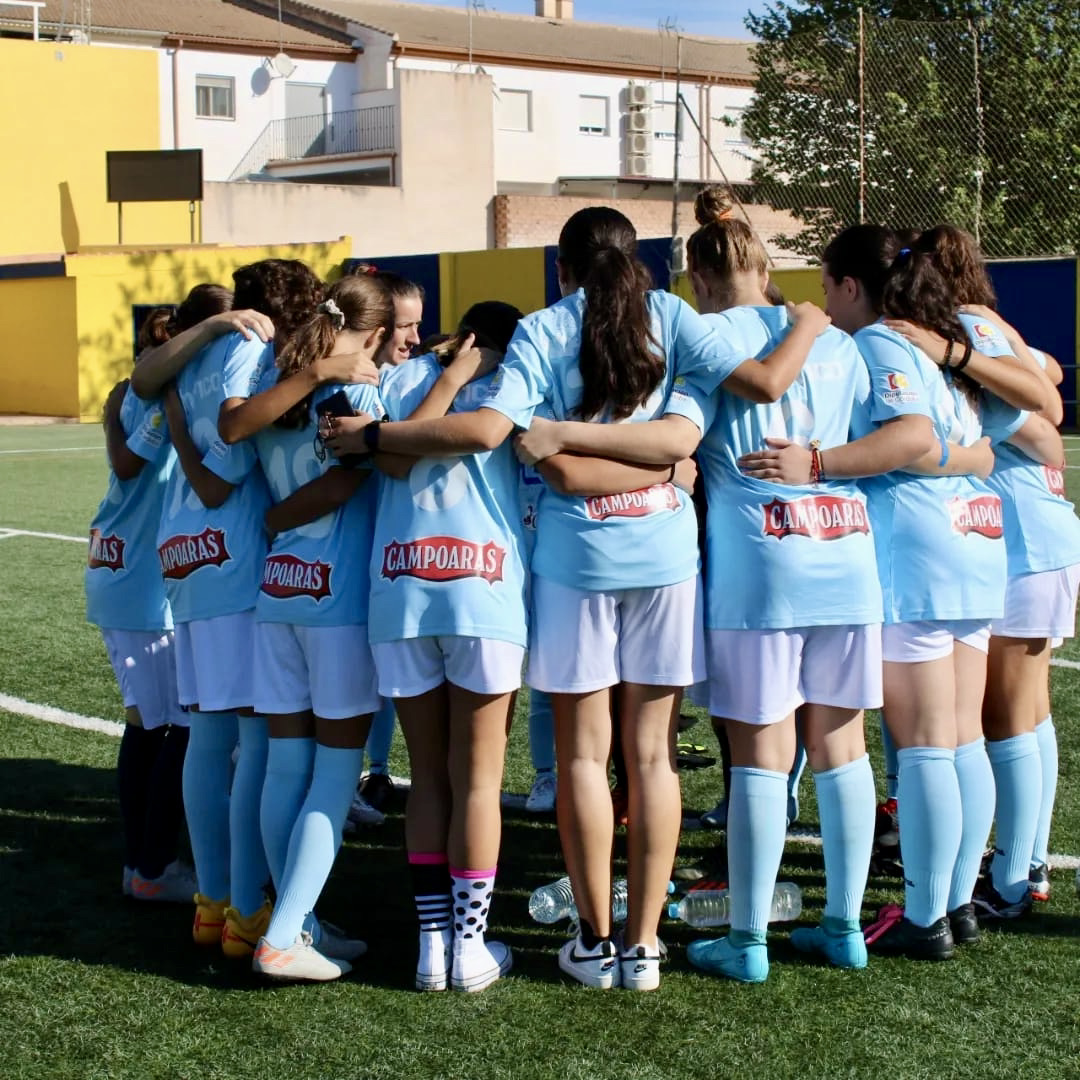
639, 95
638, 120
639, 142
637, 165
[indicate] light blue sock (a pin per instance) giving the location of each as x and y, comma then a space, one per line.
976, 781
846, 799
315, 840
381, 737
1018, 776
798, 767
891, 765
1048, 758
928, 804
248, 870
288, 777
207, 773
541, 731
756, 828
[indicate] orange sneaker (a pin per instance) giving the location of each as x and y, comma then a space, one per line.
209, 920
241, 933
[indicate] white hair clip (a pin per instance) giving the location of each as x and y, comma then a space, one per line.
328, 307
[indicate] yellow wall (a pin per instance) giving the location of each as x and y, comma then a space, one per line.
513, 275
107, 285
799, 284
63, 106
37, 347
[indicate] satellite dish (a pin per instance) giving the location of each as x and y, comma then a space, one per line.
282, 64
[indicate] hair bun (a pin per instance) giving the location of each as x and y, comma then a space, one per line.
713, 204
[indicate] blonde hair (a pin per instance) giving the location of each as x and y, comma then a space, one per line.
724, 246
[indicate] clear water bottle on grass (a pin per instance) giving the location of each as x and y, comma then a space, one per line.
555, 902
712, 907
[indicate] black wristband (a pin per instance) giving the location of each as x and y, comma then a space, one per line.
371, 437
948, 352
964, 359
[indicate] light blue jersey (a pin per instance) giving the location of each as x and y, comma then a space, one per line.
448, 557
940, 547
785, 556
316, 574
212, 560
1041, 528
640, 539
124, 590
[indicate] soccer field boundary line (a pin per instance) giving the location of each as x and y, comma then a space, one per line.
53, 450
49, 714
6, 531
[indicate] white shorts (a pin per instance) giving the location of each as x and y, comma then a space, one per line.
585, 640
1040, 605
917, 642
215, 662
327, 669
762, 676
145, 665
416, 665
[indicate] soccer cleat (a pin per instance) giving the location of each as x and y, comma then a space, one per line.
718, 956
377, 789
990, 904
125, 884
241, 933
301, 961
1039, 882
477, 965
886, 826
209, 920
639, 968
361, 813
541, 799
716, 818
433, 962
840, 942
598, 968
334, 944
893, 934
176, 885
964, 924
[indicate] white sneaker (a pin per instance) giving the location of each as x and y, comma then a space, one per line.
334, 943
176, 885
640, 968
361, 812
477, 964
300, 961
541, 799
598, 967
125, 886
433, 964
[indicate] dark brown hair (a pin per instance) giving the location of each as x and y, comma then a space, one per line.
362, 304
199, 304
492, 322
957, 258
155, 329
621, 362
284, 290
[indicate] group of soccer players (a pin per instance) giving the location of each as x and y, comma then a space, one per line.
304, 520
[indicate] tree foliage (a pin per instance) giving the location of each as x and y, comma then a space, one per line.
970, 114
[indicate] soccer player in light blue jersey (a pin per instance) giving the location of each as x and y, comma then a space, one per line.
615, 583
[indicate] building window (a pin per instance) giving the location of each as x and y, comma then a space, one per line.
215, 97
733, 121
592, 115
515, 110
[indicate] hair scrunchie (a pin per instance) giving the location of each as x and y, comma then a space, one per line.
337, 316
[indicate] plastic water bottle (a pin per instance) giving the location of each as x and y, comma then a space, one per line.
551, 903
712, 907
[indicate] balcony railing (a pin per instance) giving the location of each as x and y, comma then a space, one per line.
356, 131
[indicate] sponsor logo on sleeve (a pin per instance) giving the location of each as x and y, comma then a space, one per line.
818, 517
184, 554
981, 515
1055, 480
286, 576
984, 331
633, 504
443, 558
899, 390
105, 552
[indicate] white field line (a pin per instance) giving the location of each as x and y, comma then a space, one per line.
8, 532
55, 450
1074, 664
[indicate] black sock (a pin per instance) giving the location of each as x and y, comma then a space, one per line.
589, 937
164, 804
134, 762
432, 893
